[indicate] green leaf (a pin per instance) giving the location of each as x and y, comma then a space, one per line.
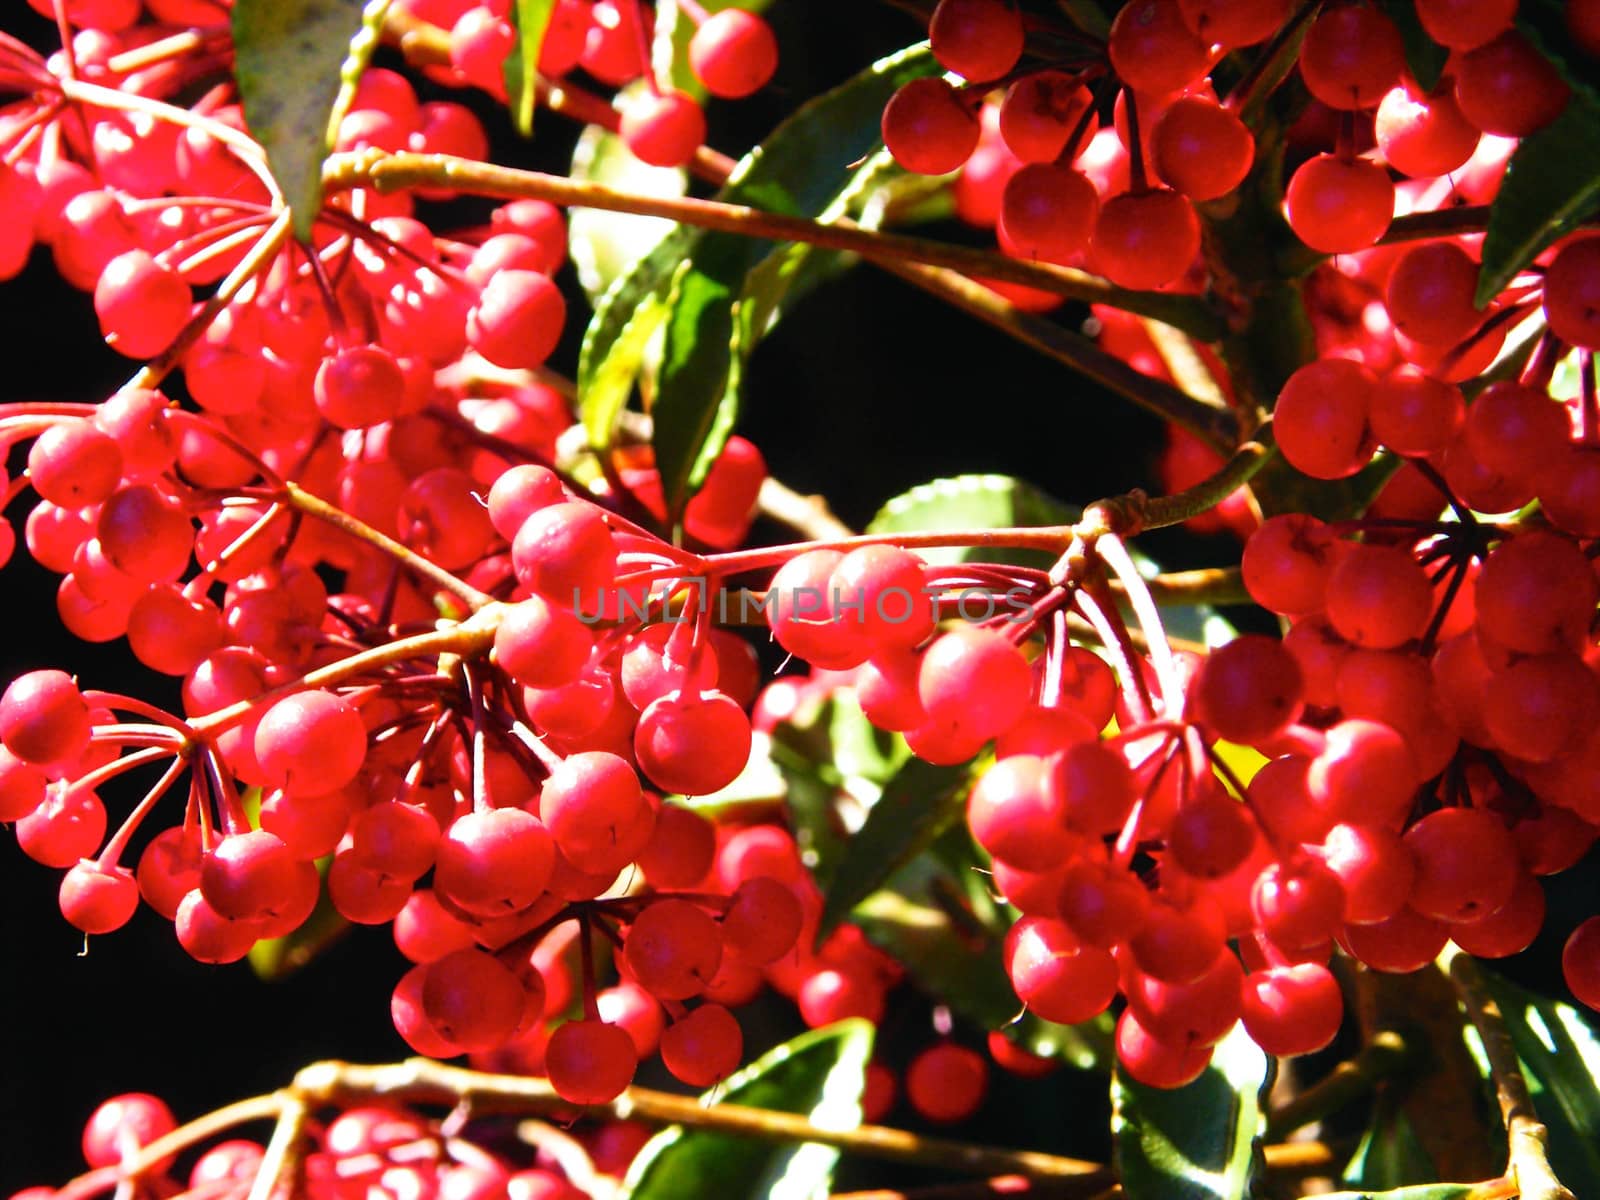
691, 286
1425, 58
1560, 1053
631, 312
606, 245
1551, 183
297, 64
530, 18
919, 803
1390, 1154
1198, 1142
798, 170
819, 1075
999, 501
974, 502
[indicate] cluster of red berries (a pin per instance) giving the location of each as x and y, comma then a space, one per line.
733, 54
425, 673
389, 1150
1094, 154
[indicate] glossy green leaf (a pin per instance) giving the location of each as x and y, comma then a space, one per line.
919, 803
1560, 1053
1389, 1155
673, 30
297, 64
1551, 183
530, 18
1198, 1142
629, 315
690, 285
820, 1074
605, 245
799, 170
999, 501
974, 502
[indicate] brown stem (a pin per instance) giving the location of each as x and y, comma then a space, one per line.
242, 1112
393, 171
297, 498
420, 1080
471, 637
1387, 1055
280, 1165
1526, 1135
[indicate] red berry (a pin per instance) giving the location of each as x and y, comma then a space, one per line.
1580, 962
946, 1082
733, 53
1351, 56
1201, 149
1145, 239
1423, 135
312, 743
928, 128
1249, 690
704, 1047
663, 129
1339, 205
1572, 292
1153, 50
590, 1062
43, 717
1293, 1009
1321, 418
1507, 87
979, 40
518, 318
1048, 212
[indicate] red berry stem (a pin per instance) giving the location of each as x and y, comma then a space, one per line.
1101, 612
114, 848
1138, 180
1588, 400
252, 264
1541, 365
591, 1006
645, 34
1458, 576
1115, 555
696, 11
1074, 142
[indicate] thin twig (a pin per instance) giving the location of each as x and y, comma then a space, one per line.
1528, 1162
420, 1080
1387, 1055
388, 172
